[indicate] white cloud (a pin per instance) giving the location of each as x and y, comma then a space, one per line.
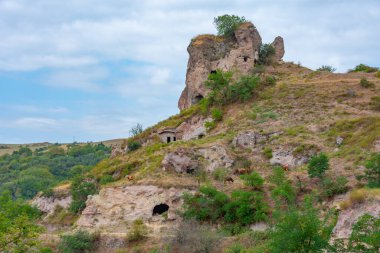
34, 123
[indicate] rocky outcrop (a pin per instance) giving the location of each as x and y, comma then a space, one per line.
181, 161
216, 157
279, 48
118, 206
250, 139
208, 53
194, 128
287, 156
47, 205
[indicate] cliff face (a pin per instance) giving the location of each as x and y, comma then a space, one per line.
207, 53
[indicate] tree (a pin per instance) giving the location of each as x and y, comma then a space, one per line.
81, 188
265, 54
298, 229
136, 130
326, 68
253, 180
318, 165
18, 229
219, 84
226, 24
283, 192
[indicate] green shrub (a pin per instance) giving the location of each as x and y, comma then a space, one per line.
106, 179
377, 74
244, 88
220, 174
226, 24
375, 103
283, 192
269, 81
216, 114
206, 205
138, 231
299, 229
366, 84
332, 187
219, 85
253, 180
79, 242
235, 248
372, 172
267, 152
326, 68
364, 68
245, 207
265, 54
133, 145
318, 165
365, 236
209, 125
81, 188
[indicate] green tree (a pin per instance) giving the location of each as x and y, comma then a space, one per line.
136, 130
365, 236
318, 165
18, 229
253, 180
283, 192
81, 188
372, 172
227, 24
219, 84
298, 229
265, 54
326, 68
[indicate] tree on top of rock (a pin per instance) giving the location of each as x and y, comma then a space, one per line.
227, 24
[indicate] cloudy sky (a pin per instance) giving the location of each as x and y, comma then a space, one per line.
90, 69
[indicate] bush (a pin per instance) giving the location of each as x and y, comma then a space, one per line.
138, 231
245, 207
253, 180
133, 145
216, 114
226, 24
366, 84
206, 205
326, 68
220, 174
209, 125
372, 172
318, 165
283, 192
375, 103
136, 130
243, 89
377, 74
364, 68
219, 84
266, 53
298, 229
106, 179
79, 242
332, 187
269, 81
267, 152
81, 188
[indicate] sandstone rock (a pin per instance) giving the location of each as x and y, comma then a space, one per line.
193, 128
285, 156
208, 53
118, 206
181, 161
279, 48
216, 157
339, 141
249, 139
48, 204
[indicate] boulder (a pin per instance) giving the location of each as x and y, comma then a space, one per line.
181, 161
279, 48
216, 157
286, 156
249, 139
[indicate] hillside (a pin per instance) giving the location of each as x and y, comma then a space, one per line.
217, 176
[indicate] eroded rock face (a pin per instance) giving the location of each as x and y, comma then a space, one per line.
181, 161
249, 139
194, 128
286, 156
209, 53
115, 207
47, 205
216, 157
279, 48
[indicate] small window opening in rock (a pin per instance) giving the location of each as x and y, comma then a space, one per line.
201, 136
160, 209
255, 61
190, 170
174, 138
168, 139
196, 99
245, 58
213, 72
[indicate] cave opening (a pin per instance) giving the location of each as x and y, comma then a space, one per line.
160, 209
197, 98
213, 72
245, 58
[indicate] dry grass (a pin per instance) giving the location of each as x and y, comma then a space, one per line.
359, 196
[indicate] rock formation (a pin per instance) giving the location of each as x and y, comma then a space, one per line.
207, 53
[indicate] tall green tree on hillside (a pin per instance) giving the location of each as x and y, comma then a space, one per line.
226, 24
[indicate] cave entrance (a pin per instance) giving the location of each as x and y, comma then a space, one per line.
213, 72
168, 139
160, 209
245, 58
197, 98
